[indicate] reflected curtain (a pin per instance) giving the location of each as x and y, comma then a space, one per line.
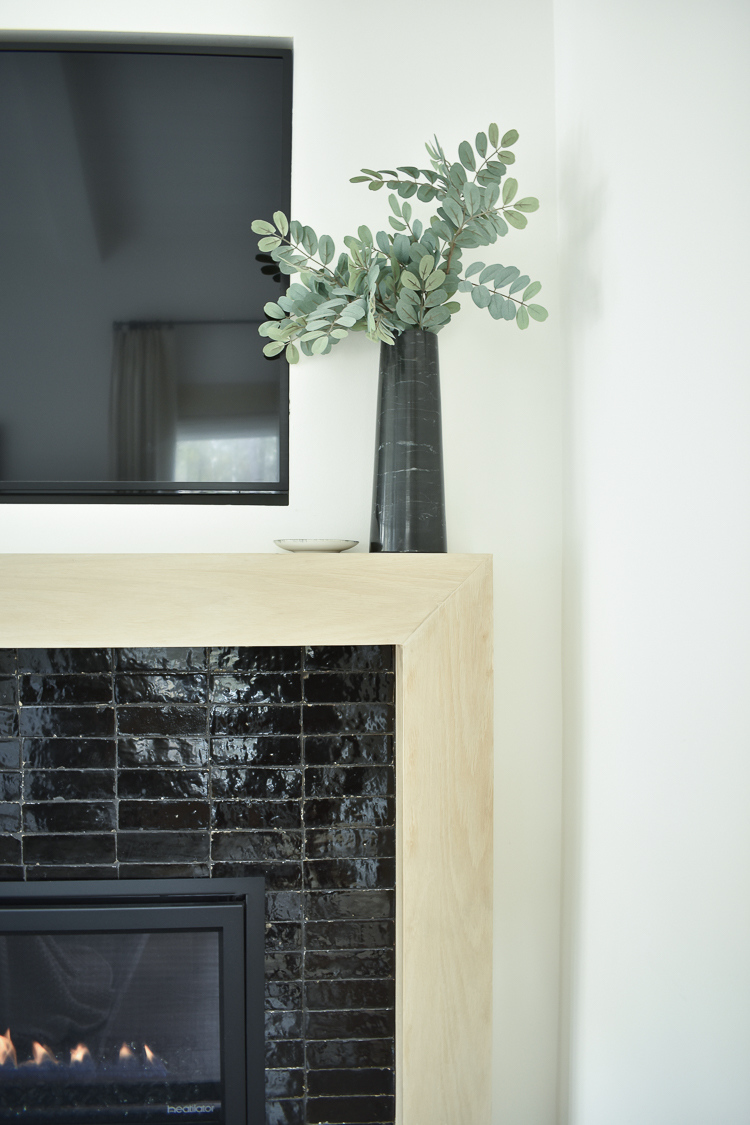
143, 403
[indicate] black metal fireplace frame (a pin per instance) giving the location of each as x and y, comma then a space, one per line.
173, 904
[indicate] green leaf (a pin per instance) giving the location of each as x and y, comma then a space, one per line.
309, 240
404, 311
365, 235
395, 205
406, 191
531, 290
500, 224
396, 224
453, 307
296, 230
409, 280
509, 310
282, 223
480, 142
520, 283
375, 185
406, 210
496, 306
434, 281
494, 134
473, 198
507, 157
371, 172
466, 156
487, 274
311, 335
260, 226
326, 249
481, 296
410, 171
435, 298
339, 333
475, 267
528, 203
510, 187
505, 276
436, 316
358, 179
453, 211
266, 244
426, 266
522, 317
457, 176
320, 345
509, 139
538, 312
292, 355
273, 348
426, 192
516, 219
274, 310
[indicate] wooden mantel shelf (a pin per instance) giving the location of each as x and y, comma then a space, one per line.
437, 610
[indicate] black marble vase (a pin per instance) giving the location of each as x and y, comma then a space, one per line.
408, 500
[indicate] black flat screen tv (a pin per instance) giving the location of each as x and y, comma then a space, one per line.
130, 288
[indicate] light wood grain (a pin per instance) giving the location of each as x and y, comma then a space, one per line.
444, 867
437, 610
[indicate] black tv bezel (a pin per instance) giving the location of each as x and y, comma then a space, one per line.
169, 492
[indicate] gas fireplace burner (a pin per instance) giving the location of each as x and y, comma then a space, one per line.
138, 1002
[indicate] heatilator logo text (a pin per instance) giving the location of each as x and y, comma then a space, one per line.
190, 1108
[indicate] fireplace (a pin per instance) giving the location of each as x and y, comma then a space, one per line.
137, 1002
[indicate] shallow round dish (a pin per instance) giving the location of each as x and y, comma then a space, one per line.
332, 545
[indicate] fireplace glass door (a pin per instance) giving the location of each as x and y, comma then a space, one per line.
122, 1014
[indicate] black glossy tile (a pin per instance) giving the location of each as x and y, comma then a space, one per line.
285, 1083
62, 722
153, 784
281, 995
12, 874
283, 966
10, 850
350, 935
165, 719
7, 661
64, 660
163, 847
69, 753
285, 1053
260, 659
42, 872
349, 965
354, 905
348, 718
257, 751
282, 906
10, 818
349, 658
162, 752
7, 692
284, 784
90, 688
349, 781
279, 935
283, 1025
8, 724
278, 876
349, 1111
335, 874
337, 1083
337, 994
135, 687
349, 1024
349, 750
69, 816
256, 847
165, 870
68, 785
348, 687
10, 786
167, 815
379, 812
255, 720
59, 850
285, 1112
332, 843
256, 814
256, 687
10, 755
161, 660
350, 1053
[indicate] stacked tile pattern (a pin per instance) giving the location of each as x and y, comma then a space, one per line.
139, 763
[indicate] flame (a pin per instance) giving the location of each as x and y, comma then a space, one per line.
42, 1054
7, 1050
149, 1053
126, 1053
80, 1054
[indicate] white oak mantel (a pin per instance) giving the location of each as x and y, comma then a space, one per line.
437, 610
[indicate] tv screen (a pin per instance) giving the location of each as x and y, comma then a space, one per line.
130, 290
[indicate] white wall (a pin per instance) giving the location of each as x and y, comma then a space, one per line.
653, 121
368, 91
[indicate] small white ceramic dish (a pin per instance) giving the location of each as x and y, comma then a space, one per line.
332, 545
